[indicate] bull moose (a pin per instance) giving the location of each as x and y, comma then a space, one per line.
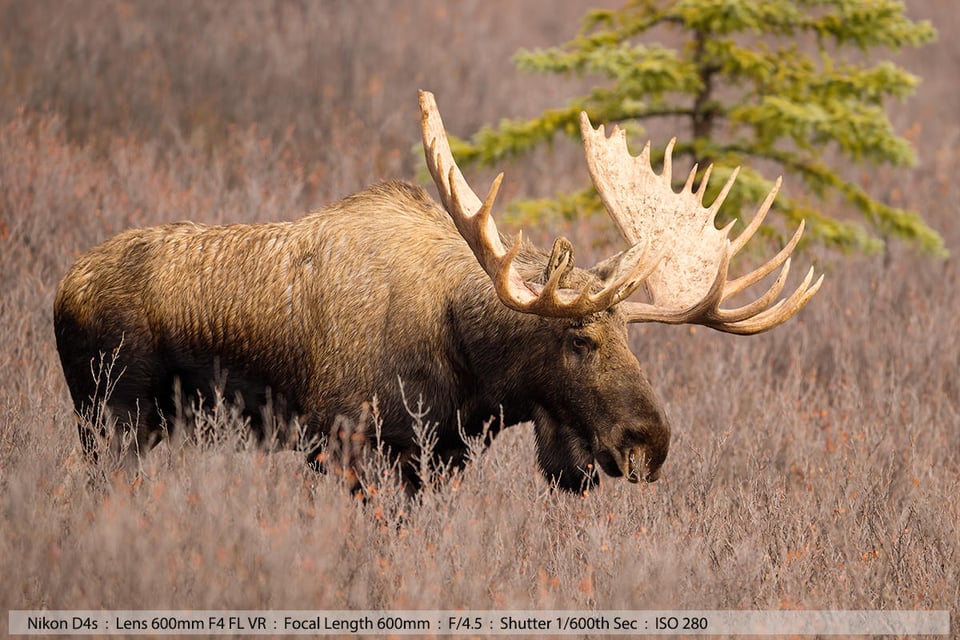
386, 290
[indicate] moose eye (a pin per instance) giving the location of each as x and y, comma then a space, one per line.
581, 343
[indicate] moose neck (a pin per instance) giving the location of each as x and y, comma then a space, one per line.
502, 352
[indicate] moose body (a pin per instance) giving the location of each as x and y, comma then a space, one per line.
385, 294
319, 316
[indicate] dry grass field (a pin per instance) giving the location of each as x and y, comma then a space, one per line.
814, 467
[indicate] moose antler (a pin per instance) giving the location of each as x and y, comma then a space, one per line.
686, 280
474, 222
689, 283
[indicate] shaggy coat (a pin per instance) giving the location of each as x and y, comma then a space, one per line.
316, 317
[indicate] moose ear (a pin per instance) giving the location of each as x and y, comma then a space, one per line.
607, 268
561, 257
615, 267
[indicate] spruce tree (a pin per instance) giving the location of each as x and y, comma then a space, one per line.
794, 82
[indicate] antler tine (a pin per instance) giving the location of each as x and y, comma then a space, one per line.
446, 174
740, 241
475, 223
689, 283
778, 313
724, 192
688, 185
703, 183
758, 274
760, 304
478, 228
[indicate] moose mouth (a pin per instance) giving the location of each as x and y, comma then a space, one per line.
632, 464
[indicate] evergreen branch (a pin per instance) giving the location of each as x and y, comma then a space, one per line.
778, 101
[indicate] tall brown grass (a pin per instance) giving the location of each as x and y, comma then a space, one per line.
817, 466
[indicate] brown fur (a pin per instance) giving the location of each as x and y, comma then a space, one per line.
320, 315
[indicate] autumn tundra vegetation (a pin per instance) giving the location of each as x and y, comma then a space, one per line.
812, 466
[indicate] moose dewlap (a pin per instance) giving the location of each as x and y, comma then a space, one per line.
387, 294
